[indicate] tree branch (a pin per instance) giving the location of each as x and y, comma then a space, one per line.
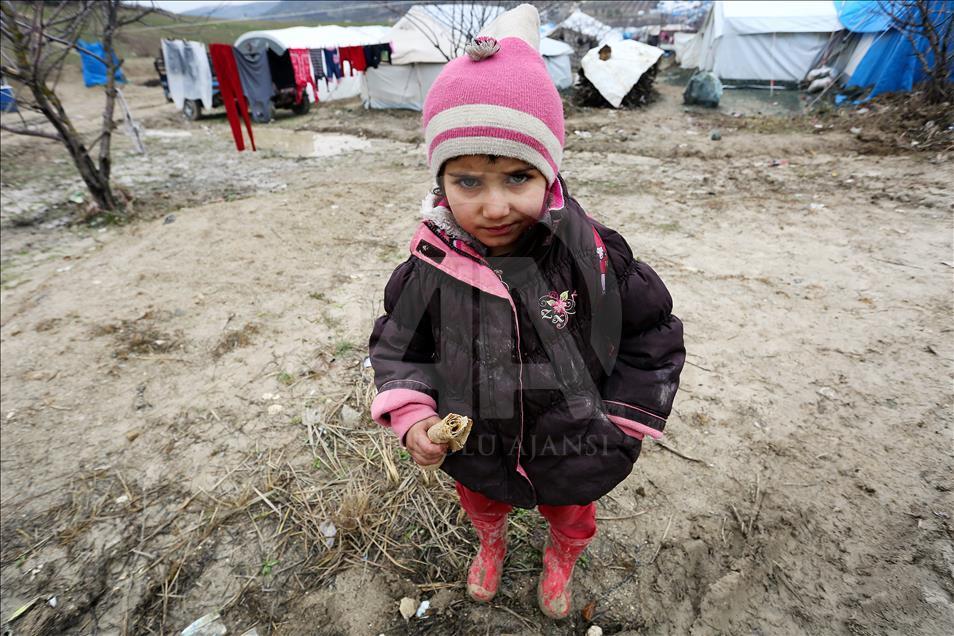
31, 133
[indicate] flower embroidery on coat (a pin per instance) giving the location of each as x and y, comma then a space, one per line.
557, 308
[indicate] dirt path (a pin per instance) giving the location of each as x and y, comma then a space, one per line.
142, 367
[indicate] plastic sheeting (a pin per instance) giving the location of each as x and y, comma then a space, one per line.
94, 70
615, 77
560, 72
889, 61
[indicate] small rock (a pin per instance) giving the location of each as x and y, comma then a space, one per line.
349, 415
594, 630
52, 601
275, 409
827, 392
408, 607
169, 219
855, 130
715, 135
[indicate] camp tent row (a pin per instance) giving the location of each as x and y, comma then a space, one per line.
783, 41
761, 41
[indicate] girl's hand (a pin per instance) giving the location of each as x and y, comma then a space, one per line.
422, 449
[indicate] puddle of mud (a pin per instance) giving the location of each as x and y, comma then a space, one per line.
291, 143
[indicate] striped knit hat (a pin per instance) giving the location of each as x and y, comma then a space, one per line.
496, 100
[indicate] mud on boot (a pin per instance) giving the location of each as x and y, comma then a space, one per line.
559, 558
483, 578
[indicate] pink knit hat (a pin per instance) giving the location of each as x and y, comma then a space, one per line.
496, 100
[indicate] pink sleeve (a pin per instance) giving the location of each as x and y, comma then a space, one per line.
404, 417
634, 429
401, 409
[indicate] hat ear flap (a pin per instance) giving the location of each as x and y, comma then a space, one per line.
522, 22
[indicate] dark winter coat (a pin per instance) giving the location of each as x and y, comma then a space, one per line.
541, 348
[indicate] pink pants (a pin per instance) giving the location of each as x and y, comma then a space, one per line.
576, 522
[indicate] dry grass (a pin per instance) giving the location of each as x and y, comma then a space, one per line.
141, 336
387, 514
234, 339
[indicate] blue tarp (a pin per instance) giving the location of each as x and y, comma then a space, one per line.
94, 71
891, 64
8, 102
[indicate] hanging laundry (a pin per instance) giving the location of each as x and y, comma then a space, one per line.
132, 127
376, 54
256, 79
301, 65
187, 72
94, 70
230, 87
333, 64
317, 63
354, 55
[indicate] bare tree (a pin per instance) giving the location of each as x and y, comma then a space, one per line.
931, 21
449, 26
37, 38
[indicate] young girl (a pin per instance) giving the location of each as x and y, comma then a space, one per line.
521, 312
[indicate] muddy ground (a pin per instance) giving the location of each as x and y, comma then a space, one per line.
158, 378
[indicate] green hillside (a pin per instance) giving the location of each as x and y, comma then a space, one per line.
143, 39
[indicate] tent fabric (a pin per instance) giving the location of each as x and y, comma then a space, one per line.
762, 41
419, 41
561, 73
888, 59
862, 16
437, 33
791, 16
94, 70
585, 24
321, 37
399, 85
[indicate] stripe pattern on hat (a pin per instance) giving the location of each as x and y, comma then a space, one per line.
499, 131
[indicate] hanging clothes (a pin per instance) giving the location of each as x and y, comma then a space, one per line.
333, 64
132, 127
376, 54
301, 65
230, 87
256, 77
317, 63
187, 72
354, 55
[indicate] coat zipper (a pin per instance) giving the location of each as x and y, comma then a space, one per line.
516, 326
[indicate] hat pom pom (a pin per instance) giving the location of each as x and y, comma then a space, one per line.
481, 48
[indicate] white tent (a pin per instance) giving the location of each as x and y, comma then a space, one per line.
321, 37
424, 39
421, 43
762, 41
556, 55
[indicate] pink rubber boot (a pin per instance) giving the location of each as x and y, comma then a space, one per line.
559, 558
483, 578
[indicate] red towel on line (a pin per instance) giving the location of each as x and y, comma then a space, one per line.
354, 55
230, 87
301, 64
